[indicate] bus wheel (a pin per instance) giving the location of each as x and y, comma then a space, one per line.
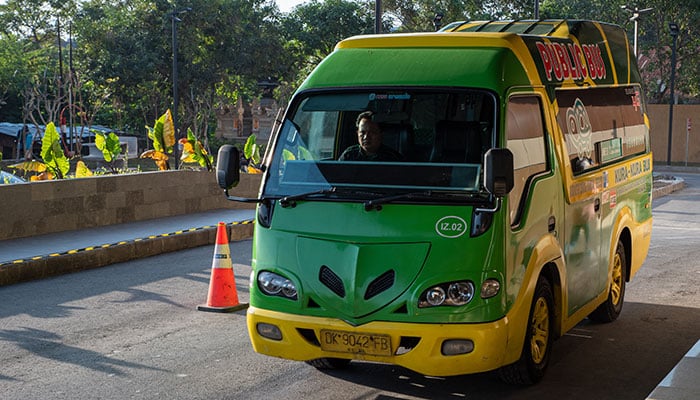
530, 368
329, 363
612, 307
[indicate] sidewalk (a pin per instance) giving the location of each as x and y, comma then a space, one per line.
682, 382
42, 256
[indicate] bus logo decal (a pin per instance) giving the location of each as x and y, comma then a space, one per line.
579, 129
561, 61
451, 226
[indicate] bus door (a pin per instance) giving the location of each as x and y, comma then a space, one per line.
536, 201
582, 235
582, 251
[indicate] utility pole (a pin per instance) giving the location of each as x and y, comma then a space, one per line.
175, 20
673, 27
377, 16
636, 13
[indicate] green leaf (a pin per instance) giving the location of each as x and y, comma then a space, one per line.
109, 145
113, 144
251, 150
100, 143
52, 152
158, 135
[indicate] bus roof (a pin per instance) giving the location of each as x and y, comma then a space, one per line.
489, 54
563, 42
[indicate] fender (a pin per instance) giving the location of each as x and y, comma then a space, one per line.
546, 251
640, 238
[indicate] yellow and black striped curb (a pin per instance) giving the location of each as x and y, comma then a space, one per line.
53, 264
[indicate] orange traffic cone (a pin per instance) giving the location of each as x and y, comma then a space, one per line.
223, 296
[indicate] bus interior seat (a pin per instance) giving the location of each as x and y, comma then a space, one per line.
457, 142
399, 137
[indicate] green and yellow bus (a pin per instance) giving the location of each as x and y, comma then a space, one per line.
519, 203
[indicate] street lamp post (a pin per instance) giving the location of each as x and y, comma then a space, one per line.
174, 18
673, 27
377, 16
636, 13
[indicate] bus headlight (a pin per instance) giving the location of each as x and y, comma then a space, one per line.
447, 294
276, 285
490, 288
460, 293
435, 296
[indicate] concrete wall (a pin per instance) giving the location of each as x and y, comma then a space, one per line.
36, 208
680, 141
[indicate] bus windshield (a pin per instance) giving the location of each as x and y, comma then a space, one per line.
429, 141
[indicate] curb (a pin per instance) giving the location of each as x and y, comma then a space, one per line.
668, 189
99, 256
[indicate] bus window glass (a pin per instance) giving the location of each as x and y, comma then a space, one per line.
601, 125
525, 135
440, 137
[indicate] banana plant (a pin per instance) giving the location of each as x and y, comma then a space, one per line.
52, 153
55, 164
251, 151
82, 170
194, 152
163, 136
110, 147
37, 168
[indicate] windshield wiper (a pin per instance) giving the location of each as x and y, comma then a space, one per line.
376, 204
290, 201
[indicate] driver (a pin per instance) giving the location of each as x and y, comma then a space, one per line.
370, 146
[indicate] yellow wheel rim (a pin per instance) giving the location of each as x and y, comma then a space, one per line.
539, 330
616, 286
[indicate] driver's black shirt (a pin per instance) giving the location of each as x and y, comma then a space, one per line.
356, 153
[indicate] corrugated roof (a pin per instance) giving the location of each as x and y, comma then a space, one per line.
523, 27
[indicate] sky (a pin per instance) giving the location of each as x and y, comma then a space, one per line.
287, 5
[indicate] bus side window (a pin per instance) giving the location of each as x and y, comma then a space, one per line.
526, 140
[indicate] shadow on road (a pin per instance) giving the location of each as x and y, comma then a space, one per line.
123, 277
48, 345
623, 360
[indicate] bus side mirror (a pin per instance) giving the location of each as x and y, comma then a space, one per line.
498, 171
228, 166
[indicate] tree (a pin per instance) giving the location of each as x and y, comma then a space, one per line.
29, 62
418, 16
656, 45
222, 65
654, 39
309, 37
123, 51
13, 73
224, 48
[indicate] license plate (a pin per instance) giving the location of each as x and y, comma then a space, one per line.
359, 343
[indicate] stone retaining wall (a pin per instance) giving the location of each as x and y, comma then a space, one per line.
37, 208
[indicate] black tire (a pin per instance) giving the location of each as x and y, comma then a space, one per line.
612, 307
531, 366
329, 363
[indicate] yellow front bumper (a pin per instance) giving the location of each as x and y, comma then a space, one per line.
490, 342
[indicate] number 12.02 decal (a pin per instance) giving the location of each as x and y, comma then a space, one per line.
451, 226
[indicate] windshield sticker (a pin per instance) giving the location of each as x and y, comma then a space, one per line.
384, 96
451, 226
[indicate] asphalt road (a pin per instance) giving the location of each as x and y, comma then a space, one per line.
131, 330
